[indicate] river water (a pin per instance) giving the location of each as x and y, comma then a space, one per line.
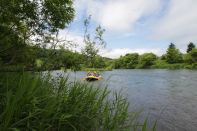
168, 96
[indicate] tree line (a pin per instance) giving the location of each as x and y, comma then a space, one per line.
173, 58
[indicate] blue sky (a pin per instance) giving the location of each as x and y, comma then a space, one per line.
137, 25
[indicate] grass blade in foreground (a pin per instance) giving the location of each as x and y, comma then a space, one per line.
31, 103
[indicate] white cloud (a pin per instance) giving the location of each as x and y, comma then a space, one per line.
118, 15
110, 53
75, 39
116, 53
179, 23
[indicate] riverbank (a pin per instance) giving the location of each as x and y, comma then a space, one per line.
96, 69
19, 68
160, 64
155, 66
163, 65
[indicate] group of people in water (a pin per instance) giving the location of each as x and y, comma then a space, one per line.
96, 74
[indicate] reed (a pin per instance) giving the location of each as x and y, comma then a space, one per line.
31, 102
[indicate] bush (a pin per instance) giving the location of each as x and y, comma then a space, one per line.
176, 66
147, 60
12, 68
194, 65
160, 64
188, 66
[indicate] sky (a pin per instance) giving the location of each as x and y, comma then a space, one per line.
136, 25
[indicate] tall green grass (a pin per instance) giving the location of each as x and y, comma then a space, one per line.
29, 102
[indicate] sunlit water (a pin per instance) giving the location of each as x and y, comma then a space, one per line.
168, 96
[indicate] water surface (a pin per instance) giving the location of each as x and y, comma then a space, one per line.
170, 96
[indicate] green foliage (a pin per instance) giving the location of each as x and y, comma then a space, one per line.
23, 20
173, 55
194, 65
99, 62
193, 54
92, 45
188, 58
173, 59
90, 52
163, 57
191, 66
160, 64
55, 59
109, 63
191, 57
129, 61
118, 63
0, 62
165, 65
39, 63
190, 47
31, 103
35, 17
12, 68
147, 60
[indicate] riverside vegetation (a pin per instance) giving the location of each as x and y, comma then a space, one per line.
35, 58
173, 59
29, 102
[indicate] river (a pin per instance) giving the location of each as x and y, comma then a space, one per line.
168, 96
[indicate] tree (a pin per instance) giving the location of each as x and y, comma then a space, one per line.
147, 59
193, 54
26, 21
190, 47
37, 17
92, 45
131, 60
173, 55
119, 63
99, 62
191, 57
163, 57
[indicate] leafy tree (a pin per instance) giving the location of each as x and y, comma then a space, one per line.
131, 60
128, 61
35, 17
187, 58
163, 57
147, 59
99, 62
25, 21
120, 63
173, 55
109, 63
193, 54
190, 47
92, 45
61, 58
191, 57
